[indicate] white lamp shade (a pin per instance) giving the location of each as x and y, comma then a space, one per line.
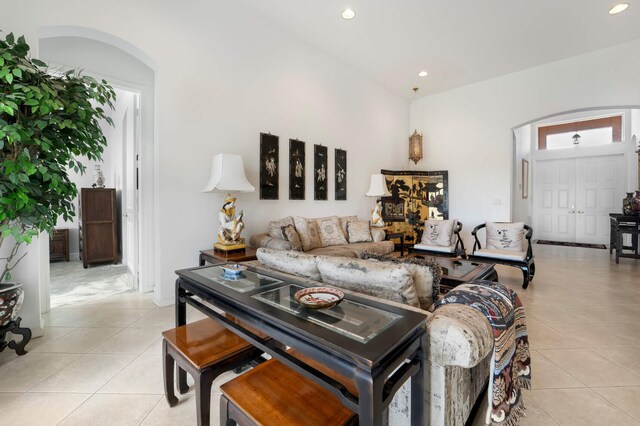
378, 187
227, 175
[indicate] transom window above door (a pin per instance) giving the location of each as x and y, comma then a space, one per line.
598, 131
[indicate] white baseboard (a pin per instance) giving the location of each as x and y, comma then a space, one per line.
165, 301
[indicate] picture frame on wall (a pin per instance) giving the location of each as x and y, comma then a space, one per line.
320, 165
525, 179
341, 174
297, 169
269, 166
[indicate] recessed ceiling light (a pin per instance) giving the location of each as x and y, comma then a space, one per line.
618, 8
423, 74
348, 14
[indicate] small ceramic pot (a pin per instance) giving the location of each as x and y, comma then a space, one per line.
626, 204
635, 203
11, 298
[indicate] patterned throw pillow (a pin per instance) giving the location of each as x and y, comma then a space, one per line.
438, 232
290, 234
330, 231
359, 232
387, 281
505, 236
275, 227
426, 275
308, 232
344, 220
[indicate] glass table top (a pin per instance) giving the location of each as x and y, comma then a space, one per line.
351, 319
247, 281
451, 267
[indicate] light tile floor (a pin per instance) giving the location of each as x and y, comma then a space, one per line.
99, 362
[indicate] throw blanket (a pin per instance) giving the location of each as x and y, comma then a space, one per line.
510, 363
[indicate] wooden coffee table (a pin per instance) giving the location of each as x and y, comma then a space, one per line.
460, 271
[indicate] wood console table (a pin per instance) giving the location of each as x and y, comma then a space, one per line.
213, 256
377, 346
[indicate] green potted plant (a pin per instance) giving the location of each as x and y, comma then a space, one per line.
48, 121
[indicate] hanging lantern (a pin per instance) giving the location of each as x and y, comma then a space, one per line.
576, 139
415, 147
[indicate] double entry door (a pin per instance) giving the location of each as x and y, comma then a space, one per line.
573, 198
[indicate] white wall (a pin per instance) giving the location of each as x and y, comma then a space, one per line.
223, 76
469, 129
521, 206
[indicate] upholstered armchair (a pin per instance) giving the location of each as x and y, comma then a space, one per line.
455, 249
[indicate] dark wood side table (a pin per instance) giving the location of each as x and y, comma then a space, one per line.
391, 235
59, 245
212, 256
459, 271
624, 224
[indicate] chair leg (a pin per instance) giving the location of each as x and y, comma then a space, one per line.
532, 271
169, 364
526, 276
204, 381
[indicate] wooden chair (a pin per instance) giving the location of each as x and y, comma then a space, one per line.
204, 349
454, 250
274, 394
522, 260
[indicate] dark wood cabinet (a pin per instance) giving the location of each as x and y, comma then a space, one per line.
59, 245
98, 224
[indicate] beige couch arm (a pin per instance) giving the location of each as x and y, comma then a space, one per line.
267, 241
459, 335
377, 235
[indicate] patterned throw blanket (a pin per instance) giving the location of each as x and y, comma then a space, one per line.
510, 363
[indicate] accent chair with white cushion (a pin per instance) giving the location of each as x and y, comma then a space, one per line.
441, 238
505, 245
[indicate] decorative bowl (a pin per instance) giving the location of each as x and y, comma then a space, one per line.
319, 297
234, 270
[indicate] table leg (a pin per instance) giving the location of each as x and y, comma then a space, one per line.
369, 399
181, 319
402, 245
419, 383
201, 259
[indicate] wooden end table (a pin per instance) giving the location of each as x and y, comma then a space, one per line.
389, 235
212, 256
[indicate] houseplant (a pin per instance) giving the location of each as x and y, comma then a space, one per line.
47, 123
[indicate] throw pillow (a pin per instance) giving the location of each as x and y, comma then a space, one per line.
359, 232
330, 231
426, 275
390, 282
308, 232
344, 220
438, 232
290, 234
290, 262
275, 227
505, 236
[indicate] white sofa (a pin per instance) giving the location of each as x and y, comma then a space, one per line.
460, 338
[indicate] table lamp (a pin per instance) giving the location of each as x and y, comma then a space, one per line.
377, 188
227, 175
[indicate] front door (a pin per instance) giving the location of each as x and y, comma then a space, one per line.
599, 191
554, 200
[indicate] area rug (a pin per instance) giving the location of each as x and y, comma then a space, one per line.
560, 243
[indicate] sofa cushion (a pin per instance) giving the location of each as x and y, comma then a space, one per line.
505, 236
426, 274
390, 282
265, 240
501, 254
291, 262
438, 232
330, 231
308, 232
441, 249
359, 232
344, 220
383, 247
338, 251
275, 227
290, 234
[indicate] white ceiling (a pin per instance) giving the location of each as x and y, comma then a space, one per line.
458, 42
